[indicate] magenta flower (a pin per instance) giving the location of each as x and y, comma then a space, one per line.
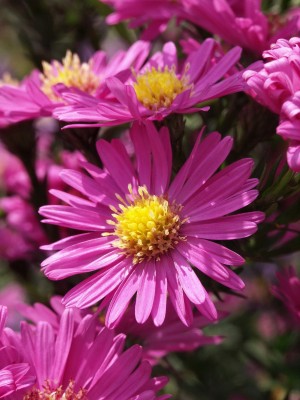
160, 88
238, 22
288, 291
39, 95
289, 129
143, 233
277, 86
105, 370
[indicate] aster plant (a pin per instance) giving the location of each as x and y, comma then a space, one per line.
149, 200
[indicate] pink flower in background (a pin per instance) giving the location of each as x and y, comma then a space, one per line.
143, 232
155, 14
288, 291
105, 370
160, 88
238, 22
289, 128
38, 95
277, 86
279, 78
13, 177
20, 231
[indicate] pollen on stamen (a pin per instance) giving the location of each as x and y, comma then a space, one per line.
147, 227
71, 72
158, 88
49, 393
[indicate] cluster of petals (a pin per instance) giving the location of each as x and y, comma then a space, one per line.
277, 86
156, 342
15, 373
238, 22
29, 100
74, 360
205, 201
288, 291
171, 336
161, 87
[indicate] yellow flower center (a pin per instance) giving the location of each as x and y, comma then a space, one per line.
156, 89
71, 72
59, 394
147, 226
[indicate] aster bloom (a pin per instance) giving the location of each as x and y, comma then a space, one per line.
160, 88
238, 22
105, 370
38, 95
143, 233
288, 291
277, 86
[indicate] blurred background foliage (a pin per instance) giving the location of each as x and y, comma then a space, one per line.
259, 358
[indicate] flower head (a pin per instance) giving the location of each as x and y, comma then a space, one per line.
161, 87
277, 86
238, 22
105, 370
144, 234
72, 73
40, 93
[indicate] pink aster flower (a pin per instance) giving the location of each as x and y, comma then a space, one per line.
143, 233
277, 86
238, 22
38, 95
105, 370
289, 129
160, 88
288, 291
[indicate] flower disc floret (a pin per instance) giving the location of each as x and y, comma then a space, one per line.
147, 226
71, 72
158, 88
49, 393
